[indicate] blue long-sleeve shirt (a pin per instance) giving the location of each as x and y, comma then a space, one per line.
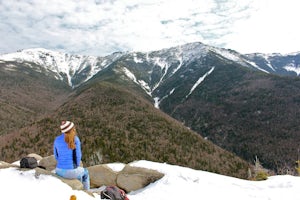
64, 155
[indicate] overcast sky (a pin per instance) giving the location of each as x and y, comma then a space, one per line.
101, 27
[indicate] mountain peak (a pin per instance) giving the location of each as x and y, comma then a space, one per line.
64, 65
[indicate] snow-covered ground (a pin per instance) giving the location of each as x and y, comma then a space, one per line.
179, 183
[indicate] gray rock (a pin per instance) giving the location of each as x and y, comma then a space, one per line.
129, 178
73, 183
134, 178
49, 163
4, 165
36, 156
102, 175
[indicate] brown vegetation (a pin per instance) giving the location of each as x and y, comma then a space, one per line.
116, 125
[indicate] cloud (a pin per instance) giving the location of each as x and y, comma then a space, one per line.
272, 28
101, 27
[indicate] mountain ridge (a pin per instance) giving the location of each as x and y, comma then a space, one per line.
77, 69
65, 66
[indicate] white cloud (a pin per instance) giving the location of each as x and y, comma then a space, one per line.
273, 28
101, 27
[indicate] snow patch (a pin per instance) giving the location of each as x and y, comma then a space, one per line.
130, 75
227, 54
256, 66
157, 100
268, 62
199, 81
236, 58
161, 63
141, 83
180, 59
10, 67
136, 59
293, 68
117, 167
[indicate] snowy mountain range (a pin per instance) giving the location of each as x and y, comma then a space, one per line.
66, 67
77, 69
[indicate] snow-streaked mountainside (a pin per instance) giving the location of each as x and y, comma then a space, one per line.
77, 69
288, 64
62, 64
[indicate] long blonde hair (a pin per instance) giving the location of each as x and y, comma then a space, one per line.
70, 138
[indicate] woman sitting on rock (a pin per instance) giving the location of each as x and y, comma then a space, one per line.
67, 152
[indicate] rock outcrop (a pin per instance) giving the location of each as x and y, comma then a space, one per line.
134, 178
48, 163
102, 175
129, 178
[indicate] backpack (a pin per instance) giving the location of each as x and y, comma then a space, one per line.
113, 193
28, 162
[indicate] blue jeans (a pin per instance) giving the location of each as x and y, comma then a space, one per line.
80, 173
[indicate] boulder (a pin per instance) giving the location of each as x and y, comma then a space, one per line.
129, 178
134, 178
101, 175
36, 156
75, 184
4, 165
49, 163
